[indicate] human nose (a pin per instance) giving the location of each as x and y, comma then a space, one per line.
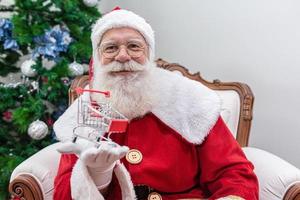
123, 55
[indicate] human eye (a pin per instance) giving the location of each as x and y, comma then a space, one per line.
134, 46
110, 48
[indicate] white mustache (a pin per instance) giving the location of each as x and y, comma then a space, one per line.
128, 66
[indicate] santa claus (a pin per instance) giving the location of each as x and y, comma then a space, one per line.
176, 145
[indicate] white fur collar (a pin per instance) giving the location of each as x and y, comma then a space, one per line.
187, 106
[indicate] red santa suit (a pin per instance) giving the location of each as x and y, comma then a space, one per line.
185, 147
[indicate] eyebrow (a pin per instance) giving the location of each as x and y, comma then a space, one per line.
114, 42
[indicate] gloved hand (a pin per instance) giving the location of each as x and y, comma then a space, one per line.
99, 161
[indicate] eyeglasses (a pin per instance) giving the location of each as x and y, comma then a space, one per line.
134, 49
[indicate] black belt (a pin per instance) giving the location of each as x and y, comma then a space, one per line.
142, 191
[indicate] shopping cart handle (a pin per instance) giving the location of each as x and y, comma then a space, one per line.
80, 90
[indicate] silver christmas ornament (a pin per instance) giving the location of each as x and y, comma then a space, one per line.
37, 130
90, 3
34, 87
26, 68
76, 69
48, 64
86, 67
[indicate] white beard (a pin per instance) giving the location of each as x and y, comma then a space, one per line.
131, 95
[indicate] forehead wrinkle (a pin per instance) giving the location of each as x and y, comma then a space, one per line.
127, 41
122, 33
131, 39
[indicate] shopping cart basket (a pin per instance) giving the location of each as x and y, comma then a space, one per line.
95, 119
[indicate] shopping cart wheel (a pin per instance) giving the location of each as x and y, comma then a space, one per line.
74, 139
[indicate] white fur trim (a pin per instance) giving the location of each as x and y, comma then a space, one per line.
187, 106
122, 18
125, 182
84, 188
82, 184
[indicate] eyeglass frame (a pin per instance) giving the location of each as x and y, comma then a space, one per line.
101, 46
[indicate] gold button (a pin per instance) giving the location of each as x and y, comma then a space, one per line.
134, 156
154, 196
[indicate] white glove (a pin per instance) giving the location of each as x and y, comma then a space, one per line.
99, 161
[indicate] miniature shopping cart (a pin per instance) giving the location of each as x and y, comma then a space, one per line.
95, 119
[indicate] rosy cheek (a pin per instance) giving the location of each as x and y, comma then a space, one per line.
105, 61
141, 60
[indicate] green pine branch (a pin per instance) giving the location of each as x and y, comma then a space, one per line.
32, 18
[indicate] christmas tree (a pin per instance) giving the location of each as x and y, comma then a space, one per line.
47, 42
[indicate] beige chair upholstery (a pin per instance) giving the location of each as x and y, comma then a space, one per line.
41, 168
278, 179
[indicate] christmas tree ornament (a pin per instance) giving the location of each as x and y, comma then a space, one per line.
50, 121
26, 68
48, 64
90, 3
37, 130
6, 28
13, 80
10, 85
7, 116
50, 44
34, 86
66, 81
45, 79
76, 69
11, 44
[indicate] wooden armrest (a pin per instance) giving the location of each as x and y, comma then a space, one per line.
25, 187
293, 193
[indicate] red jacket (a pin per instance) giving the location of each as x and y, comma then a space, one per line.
175, 167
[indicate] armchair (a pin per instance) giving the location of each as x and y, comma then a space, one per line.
277, 178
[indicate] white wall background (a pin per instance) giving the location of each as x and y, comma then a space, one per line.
256, 42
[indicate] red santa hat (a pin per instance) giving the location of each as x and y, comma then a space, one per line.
122, 18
